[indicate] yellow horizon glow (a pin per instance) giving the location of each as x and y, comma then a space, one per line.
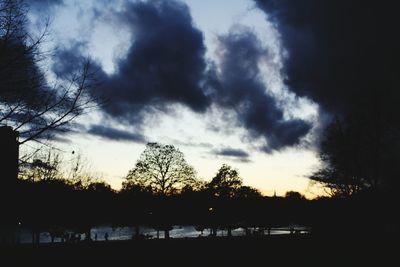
279, 172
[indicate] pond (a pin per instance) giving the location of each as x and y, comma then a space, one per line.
99, 233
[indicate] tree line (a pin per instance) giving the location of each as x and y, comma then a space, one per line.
162, 190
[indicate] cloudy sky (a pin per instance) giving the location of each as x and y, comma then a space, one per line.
212, 77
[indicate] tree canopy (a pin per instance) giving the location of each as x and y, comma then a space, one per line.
163, 168
226, 183
358, 153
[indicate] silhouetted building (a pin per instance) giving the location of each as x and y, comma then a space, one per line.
9, 147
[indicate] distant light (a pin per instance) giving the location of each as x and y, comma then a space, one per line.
210, 209
19, 223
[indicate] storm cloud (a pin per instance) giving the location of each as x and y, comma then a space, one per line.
115, 134
341, 54
238, 87
166, 65
42, 6
69, 60
233, 153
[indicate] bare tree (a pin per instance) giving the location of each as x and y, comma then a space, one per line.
163, 168
80, 174
44, 165
48, 164
28, 103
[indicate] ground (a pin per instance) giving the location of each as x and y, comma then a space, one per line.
300, 250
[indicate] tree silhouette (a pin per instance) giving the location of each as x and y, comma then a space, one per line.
248, 192
294, 195
43, 166
344, 157
163, 168
226, 182
224, 186
28, 102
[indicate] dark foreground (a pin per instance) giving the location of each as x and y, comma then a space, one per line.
301, 250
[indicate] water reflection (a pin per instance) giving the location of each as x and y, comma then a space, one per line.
99, 233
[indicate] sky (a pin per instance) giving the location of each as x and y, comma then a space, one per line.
209, 77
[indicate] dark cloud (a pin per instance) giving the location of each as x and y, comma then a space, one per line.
115, 134
189, 143
60, 139
340, 53
69, 60
234, 153
43, 6
166, 65
57, 136
238, 87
